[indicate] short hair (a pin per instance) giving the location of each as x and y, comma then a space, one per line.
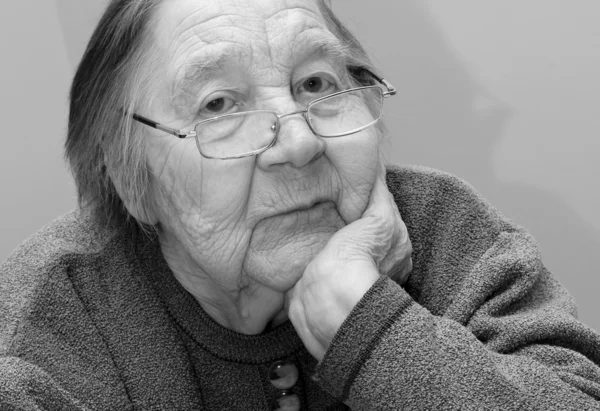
104, 146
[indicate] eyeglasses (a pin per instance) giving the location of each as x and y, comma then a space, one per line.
249, 133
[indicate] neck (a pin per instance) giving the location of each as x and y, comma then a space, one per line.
248, 309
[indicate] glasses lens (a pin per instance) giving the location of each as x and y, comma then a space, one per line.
237, 134
347, 112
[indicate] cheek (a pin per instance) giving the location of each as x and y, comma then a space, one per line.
190, 188
356, 160
225, 187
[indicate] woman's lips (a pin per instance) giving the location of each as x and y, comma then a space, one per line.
320, 213
318, 206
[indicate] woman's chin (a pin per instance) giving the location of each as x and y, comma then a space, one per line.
281, 249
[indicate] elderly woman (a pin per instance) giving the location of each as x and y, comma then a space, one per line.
237, 246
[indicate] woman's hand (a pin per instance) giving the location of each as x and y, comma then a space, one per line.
351, 262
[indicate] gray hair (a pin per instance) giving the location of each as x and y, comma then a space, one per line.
104, 147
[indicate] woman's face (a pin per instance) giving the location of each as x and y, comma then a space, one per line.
252, 223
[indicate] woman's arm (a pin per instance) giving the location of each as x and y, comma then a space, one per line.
480, 324
513, 353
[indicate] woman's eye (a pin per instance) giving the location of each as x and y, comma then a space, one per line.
318, 85
218, 106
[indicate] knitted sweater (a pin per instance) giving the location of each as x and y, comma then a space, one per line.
92, 319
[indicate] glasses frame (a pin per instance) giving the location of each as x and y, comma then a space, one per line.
391, 91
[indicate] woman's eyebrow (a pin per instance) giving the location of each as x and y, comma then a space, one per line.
202, 67
327, 46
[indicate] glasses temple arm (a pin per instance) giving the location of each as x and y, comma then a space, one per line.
391, 90
154, 124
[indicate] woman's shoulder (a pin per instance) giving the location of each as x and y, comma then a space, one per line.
424, 192
45, 260
73, 233
427, 183
441, 209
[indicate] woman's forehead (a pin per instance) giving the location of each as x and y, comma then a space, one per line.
183, 24
202, 37
251, 8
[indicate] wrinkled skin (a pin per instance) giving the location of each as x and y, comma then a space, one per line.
240, 234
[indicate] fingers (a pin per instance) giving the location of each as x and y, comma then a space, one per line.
380, 199
396, 262
379, 235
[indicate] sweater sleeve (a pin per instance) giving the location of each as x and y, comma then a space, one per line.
394, 354
483, 325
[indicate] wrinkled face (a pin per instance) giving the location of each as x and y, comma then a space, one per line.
257, 221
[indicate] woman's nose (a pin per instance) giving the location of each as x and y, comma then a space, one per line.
296, 144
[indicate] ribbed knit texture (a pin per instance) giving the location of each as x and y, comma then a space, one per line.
93, 319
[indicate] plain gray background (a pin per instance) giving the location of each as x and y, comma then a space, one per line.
504, 93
